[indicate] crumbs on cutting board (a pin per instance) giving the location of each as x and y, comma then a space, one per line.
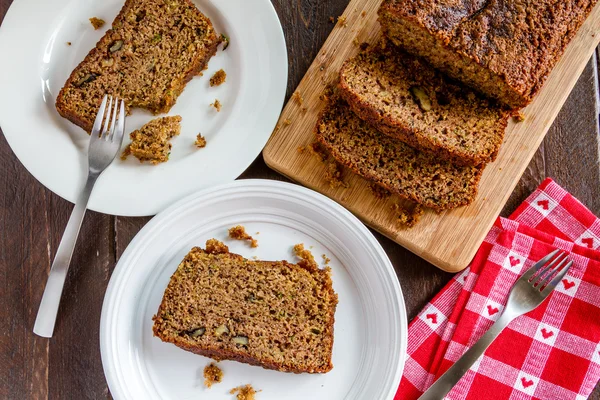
342, 21
379, 192
408, 216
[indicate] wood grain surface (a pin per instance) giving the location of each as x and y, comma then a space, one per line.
449, 239
32, 220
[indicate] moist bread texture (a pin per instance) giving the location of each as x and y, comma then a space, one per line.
273, 314
397, 167
152, 50
405, 98
152, 141
503, 48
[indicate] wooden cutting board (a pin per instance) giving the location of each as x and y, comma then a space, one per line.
450, 239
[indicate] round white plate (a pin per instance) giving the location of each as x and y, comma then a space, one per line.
33, 44
370, 322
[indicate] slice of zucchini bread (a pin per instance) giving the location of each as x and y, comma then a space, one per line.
503, 48
392, 164
152, 50
406, 98
273, 314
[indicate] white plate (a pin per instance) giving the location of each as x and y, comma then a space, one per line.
37, 62
370, 322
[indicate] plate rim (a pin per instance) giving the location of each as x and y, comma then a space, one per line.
18, 139
109, 301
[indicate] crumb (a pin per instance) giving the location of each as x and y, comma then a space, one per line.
200, 141
97, 23
126, 152
500, 169
519, 117
216, 105
69, 43
296, 96
218, 78
305, 256
333, 175
317, 150
356, 42
257, 233
364, 45
363, 14
304, 109
214, 246
325, 258
301, 149
287, 122
225, 40
379, 192
332, 20
255, 257
239, 233
212, 375
408, 216
342, 21
326, 93
245, 392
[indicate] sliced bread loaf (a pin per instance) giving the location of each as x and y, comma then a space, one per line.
276, 315
152, 50
407, 99
412, 174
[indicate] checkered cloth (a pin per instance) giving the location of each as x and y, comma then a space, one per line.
552, 352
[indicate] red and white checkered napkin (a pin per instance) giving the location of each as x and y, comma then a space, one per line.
552, 352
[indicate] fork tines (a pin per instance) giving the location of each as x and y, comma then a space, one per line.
109, 116
549, 271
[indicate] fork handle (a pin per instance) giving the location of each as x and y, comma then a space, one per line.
446, 382
46, 316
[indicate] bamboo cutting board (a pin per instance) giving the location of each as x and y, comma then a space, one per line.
450, 239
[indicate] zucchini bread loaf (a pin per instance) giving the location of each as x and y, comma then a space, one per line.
275, 315
503, 48
152, 50
395, 166
405, 98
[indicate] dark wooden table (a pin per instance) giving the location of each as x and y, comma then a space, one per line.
32, 220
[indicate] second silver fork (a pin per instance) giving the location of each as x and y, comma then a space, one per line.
105, 142
527, 293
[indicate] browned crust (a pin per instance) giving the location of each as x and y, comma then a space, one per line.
396, 129
195, 69
522, 93
373, 178
240, 356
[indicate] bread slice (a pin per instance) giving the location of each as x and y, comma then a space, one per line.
152, 141
273, 314
503, 48
152, 50
392, 164
407, 99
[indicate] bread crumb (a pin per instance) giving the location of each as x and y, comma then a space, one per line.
408, 216
257, 233
342, 21
245, 392
333, 175
212, 375
332, 20
214, 246
298, 98
225, 40
239, 233
519, 117
69, 43
306, 257
218, 78
301, 149
356, 42
325, 258
97, 23
200, 141
379, 192
216, 105
287, 122
304, 109
363, 14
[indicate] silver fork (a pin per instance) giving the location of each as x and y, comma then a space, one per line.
527, 293
105, 142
